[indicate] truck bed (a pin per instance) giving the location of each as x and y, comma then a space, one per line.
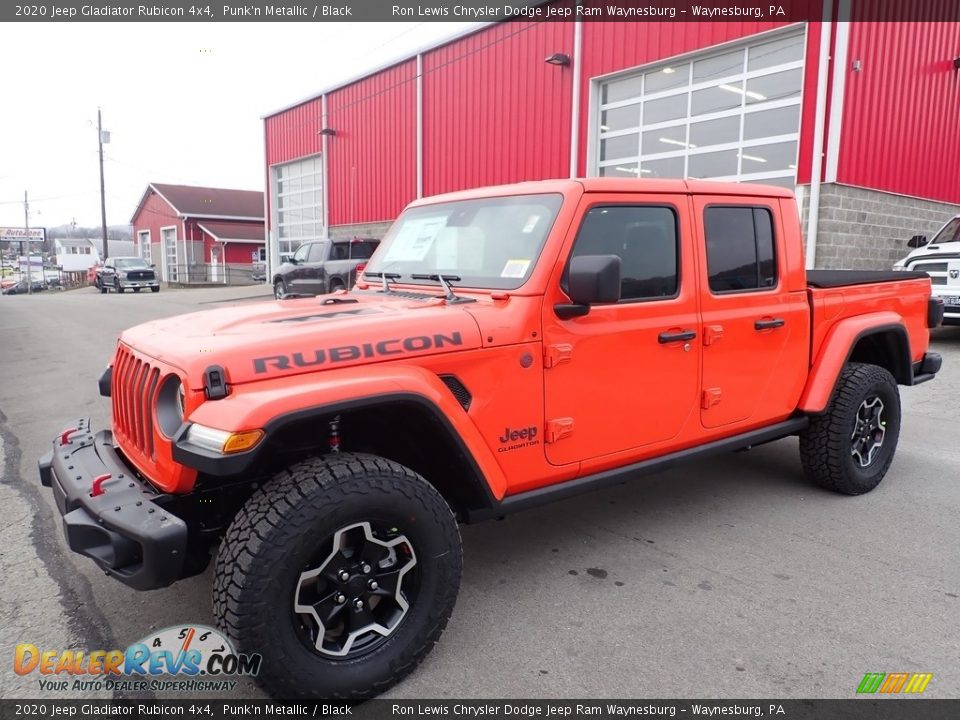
842, 278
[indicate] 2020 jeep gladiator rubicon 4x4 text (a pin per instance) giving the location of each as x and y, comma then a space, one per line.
504, 347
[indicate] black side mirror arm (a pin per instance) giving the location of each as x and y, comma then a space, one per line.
568, 311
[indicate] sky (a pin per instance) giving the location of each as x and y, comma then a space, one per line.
183, 103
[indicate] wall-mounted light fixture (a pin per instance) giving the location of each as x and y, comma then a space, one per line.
558, 59
330, 132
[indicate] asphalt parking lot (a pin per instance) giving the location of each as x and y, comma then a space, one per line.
725, 578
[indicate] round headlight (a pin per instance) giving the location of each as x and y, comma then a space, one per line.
170, 403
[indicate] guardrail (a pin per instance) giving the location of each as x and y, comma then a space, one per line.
207, 274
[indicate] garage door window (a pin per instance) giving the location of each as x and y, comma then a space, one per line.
298, 203
730, 115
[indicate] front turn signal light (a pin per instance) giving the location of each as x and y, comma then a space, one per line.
240, 441
223, 441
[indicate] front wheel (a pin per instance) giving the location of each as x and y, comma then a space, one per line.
155, 289
279, 289
117, 286
342, 572
849, 447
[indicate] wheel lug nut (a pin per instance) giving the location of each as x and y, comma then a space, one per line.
366, 568
373, 585
358, 604
340, 598
343, 575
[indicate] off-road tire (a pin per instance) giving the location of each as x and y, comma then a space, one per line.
279, 289
270, 540
825, 446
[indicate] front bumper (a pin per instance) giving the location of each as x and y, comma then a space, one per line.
125, 284
123, 529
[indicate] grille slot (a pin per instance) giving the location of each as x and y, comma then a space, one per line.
458, 389
134, 385
930, 267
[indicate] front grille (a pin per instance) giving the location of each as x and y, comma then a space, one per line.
133, 394
140, 275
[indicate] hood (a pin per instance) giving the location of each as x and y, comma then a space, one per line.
272, 339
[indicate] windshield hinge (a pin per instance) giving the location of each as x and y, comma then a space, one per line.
553, 355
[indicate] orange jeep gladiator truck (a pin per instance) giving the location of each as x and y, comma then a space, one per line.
505, 347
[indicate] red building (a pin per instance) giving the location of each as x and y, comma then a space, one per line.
200, 234
861, 119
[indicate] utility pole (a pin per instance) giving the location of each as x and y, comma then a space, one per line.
103, 200
26, 225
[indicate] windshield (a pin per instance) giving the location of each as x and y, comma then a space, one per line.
130, 263
949, 233
489, 242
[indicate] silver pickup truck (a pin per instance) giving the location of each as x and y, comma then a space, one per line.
940, 259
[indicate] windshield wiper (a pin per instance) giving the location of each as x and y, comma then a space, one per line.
385, 277
444, 280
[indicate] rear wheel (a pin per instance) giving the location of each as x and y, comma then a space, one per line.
336, 285
849, 447
342, 572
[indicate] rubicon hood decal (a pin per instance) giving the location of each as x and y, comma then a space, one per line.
344, 353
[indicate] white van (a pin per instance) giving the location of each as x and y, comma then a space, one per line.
940, 259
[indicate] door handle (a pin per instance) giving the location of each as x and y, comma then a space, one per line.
669, 337
769, 324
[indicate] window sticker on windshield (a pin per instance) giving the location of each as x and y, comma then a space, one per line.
531, 224
415, 239
515, 269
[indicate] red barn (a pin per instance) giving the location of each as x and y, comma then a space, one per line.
859, 118
200, 234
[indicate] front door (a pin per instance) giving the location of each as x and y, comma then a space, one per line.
626, 375
755, 328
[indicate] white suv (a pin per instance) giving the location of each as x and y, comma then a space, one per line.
940, 259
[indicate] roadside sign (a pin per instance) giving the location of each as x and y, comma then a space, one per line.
15, 234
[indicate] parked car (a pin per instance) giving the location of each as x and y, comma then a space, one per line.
940, 259
323, 266
123, 273
92, 273
569, 335
20, 288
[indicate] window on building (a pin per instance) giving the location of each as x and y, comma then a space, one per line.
644, 238
729, 115
298, 203
739, 248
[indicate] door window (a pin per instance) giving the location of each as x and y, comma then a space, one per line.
317, 251
301, 254
644, 237
740, 253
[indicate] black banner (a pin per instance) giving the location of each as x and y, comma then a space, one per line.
478, 10
854, 709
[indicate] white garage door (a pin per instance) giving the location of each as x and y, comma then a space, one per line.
730, 115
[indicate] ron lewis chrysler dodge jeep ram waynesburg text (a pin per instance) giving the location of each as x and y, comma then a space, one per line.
324, 449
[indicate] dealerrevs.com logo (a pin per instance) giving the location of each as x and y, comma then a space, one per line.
187, 657
894, 683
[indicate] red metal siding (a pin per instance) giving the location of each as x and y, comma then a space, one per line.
372, 160
493, 111
608, 47
901, 114
293, 133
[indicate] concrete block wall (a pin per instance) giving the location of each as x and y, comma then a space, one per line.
365, 230
863, 229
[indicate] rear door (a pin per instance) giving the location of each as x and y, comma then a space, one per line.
755, 331
625, 375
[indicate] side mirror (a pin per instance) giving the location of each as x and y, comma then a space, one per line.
153, 265
917, 241
293, 261
592, 280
